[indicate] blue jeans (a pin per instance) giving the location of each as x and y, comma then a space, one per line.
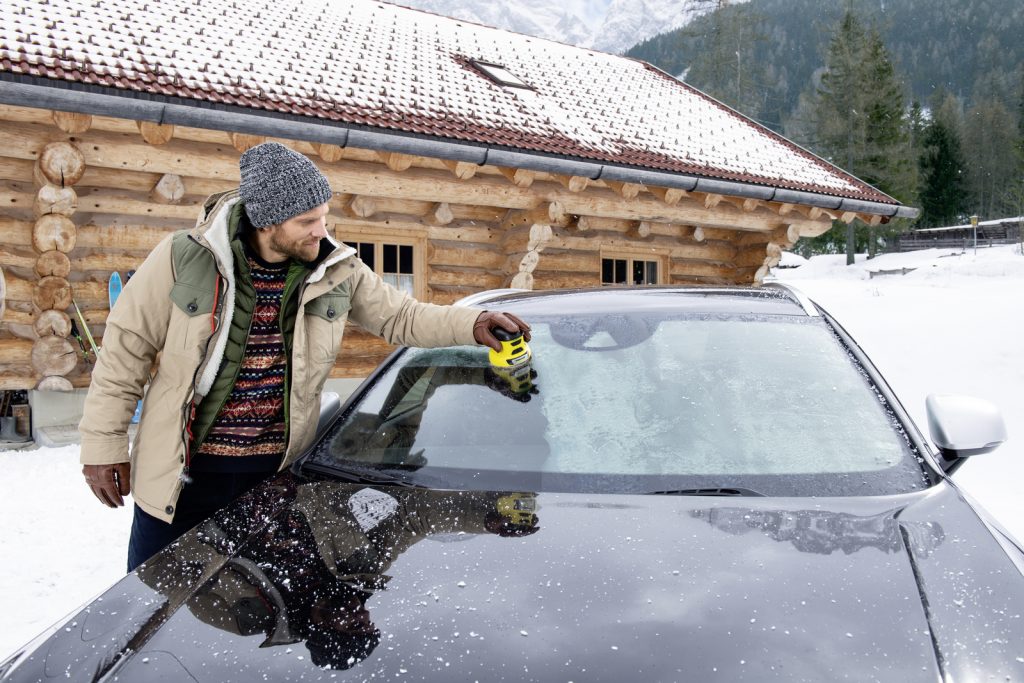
207, 493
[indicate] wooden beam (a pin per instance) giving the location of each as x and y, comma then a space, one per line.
574, 183
848, 217
711, 200
551, 213
13, 259
440, 276
526, 238
751, 204
71, 123
520, 177
142, 238
396, 161
52, 263
55, 383
103, 201
54, 232
785, 236
440, 214
640, 230
62, 163
330, 153
243, 142
683, 268
361, 207
168, 190
875, 220
53, 356
204, 161
156, 133
108, 261
626, 190
457, 255
52, 199
463, 170
52, 323
669, 195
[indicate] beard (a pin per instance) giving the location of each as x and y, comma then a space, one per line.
305, 249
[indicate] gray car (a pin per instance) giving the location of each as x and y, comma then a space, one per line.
682, 484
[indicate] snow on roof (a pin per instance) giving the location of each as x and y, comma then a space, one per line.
390, 67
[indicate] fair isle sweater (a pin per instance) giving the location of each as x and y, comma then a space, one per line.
249, 434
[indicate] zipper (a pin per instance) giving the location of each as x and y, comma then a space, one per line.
189, 409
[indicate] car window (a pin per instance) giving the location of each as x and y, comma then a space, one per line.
632, 402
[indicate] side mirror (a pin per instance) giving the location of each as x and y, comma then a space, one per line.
330, 404
962, 426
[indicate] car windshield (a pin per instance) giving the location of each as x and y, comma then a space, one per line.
634, 401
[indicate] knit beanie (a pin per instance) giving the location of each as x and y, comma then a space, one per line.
279, 183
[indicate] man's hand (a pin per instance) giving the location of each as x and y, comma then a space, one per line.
109, 483
506, 321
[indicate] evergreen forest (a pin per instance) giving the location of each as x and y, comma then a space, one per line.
924, 99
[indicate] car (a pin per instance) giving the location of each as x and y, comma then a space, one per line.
678, 484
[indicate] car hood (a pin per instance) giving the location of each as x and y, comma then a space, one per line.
593, 587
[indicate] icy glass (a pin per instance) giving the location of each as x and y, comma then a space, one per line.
705, 400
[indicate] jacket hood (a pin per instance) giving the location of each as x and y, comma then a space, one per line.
606, 588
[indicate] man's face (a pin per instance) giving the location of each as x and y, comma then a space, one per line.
299, 236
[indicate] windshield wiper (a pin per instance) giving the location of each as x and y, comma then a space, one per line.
713, 491
360, 475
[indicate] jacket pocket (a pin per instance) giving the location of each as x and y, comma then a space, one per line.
325, 324
194, 306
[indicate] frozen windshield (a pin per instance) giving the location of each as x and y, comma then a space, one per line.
637, 402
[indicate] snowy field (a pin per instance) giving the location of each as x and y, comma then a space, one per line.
953, 325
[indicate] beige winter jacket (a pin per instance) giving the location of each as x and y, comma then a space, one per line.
146, 322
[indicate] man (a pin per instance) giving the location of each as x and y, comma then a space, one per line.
246, 312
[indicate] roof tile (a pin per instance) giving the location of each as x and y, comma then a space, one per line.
382, 65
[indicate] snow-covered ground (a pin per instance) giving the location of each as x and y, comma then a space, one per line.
953, 325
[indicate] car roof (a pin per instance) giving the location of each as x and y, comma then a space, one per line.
770, 299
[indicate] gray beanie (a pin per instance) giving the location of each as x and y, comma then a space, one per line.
279, 183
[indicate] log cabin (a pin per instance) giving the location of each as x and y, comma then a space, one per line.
461, 157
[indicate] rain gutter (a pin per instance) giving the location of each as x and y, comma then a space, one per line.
28, 91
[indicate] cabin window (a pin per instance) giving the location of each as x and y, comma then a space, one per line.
397, 262
626, 269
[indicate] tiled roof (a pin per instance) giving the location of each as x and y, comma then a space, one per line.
388, 67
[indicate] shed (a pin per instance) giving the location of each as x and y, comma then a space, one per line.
462, 157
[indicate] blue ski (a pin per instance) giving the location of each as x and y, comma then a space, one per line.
114, 288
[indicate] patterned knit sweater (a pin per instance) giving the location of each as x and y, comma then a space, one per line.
248, 433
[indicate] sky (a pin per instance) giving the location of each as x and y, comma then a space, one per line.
954, 324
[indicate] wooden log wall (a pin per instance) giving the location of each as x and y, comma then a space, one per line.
81, 197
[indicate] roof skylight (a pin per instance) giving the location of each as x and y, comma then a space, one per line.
500, 75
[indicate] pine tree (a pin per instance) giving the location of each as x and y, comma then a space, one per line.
943, 196
990, 143
724, 63
859, 119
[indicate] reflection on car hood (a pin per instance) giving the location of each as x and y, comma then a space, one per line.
349, 582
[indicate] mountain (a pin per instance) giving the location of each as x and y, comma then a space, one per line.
628, 22
606, 25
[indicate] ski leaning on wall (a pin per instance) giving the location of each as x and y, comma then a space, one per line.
114, 287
